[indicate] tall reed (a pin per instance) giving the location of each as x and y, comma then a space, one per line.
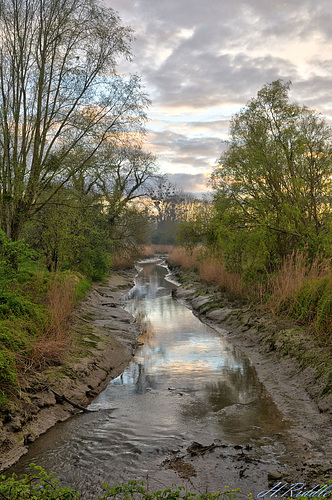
56, 337
210, 268
150, 250
300, 288
295, 271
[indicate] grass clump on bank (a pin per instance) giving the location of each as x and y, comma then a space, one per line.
312, 304
298, 289
35, 306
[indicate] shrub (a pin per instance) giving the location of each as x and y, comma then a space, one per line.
35, 485
38, 485
312, 304
8, 370
12, 303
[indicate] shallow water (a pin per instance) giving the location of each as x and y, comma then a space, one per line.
186, 383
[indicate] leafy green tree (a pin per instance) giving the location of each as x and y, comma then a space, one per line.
273, 183
72, 233
59, 96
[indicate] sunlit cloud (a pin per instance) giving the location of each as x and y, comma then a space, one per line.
201, 65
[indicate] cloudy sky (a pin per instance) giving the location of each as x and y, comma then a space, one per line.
202, 60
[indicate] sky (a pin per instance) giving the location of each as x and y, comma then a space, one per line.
201, 61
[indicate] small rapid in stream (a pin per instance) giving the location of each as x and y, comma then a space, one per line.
186, 384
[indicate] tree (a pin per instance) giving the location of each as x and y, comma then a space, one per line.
59, 95
273, 183
123, 170
91, 217
170, 205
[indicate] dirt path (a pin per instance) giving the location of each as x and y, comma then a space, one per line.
105, 341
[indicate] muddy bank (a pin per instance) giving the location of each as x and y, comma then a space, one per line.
104, 343
296, 373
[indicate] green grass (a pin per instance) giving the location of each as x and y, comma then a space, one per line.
38, 485
25, 318
312, 304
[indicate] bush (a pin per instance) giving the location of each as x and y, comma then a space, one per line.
12, 303
312, 304
38, 485
8, 370
35, 485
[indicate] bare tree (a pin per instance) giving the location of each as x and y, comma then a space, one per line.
59, 95
124, 170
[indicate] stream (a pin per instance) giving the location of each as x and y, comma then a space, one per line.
188, 409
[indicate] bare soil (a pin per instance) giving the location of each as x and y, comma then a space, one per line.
295, 371
281, 352
104, 343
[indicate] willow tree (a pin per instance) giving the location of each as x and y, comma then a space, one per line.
274, 182
59, 93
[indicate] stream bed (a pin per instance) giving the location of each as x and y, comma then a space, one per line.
189, 409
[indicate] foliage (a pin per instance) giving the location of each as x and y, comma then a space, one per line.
35, 485
170, 206
61, 99
34, 309
273, 183
38, 485
312, 303
72, 233
12, 253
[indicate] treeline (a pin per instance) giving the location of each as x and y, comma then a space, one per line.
268, 229
71, 128
72, 161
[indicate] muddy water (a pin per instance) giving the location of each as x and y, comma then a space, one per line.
186, 384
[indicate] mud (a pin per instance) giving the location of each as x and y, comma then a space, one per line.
104, 343
297, 387
106, 336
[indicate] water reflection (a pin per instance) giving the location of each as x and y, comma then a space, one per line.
215, 386
186, 383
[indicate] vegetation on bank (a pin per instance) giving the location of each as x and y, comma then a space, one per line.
38, 485
35, 306
267, 233
72, 161
298, 290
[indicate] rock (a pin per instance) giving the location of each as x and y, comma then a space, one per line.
325, 405
326, 468
219, 315
274, 476
15, 425
200, 301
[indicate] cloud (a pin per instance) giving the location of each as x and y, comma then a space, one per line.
211, 59
200, 153
191, 183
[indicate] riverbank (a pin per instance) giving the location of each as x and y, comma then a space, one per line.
104, 343
296, 373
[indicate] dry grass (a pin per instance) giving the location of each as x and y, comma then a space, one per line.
295, 271
56, 338
188, 259
213, 270
210, 269
123, 260
150, 250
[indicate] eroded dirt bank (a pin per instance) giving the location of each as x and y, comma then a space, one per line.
105, 340
296, 373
